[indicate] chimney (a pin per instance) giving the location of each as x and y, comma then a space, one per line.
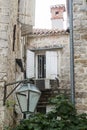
57, 16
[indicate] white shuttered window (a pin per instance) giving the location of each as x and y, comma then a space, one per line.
51, 64
30, 64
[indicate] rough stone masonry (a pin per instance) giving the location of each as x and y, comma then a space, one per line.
13, 14
80, 53
8, 15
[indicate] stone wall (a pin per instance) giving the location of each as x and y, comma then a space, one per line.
8, 18
12, 48
80, 53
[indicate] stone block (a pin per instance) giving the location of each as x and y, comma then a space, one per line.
4, 19
84, 37
3, 44
3, 35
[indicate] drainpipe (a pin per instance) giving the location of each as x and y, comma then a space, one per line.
71, 52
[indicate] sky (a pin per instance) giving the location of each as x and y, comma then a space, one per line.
42, 12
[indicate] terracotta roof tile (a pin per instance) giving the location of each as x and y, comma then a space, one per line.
57, 6
40, 32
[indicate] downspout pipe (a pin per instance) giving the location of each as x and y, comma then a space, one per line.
72, 81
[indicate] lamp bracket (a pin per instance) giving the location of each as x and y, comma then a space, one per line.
8, 84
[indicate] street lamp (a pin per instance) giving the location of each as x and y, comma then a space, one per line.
28, 96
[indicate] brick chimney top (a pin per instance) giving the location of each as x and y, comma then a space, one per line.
57, 11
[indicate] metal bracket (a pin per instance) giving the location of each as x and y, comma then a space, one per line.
8, 84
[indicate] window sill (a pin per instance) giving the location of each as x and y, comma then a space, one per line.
83, 8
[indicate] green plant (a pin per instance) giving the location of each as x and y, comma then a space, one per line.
63, 117
10, 103
7, 128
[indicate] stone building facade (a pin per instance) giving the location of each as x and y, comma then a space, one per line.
15, 18
80, 53
48, 63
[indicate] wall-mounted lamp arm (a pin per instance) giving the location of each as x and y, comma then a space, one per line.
12, 91
8, 84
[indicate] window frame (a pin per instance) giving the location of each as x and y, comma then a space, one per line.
36, 61
44, 53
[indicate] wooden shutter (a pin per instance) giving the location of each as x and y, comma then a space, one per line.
51, 64
30, 64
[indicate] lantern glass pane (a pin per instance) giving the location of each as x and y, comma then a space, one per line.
33, 100
22, 98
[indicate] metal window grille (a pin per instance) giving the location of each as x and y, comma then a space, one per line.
41, 66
